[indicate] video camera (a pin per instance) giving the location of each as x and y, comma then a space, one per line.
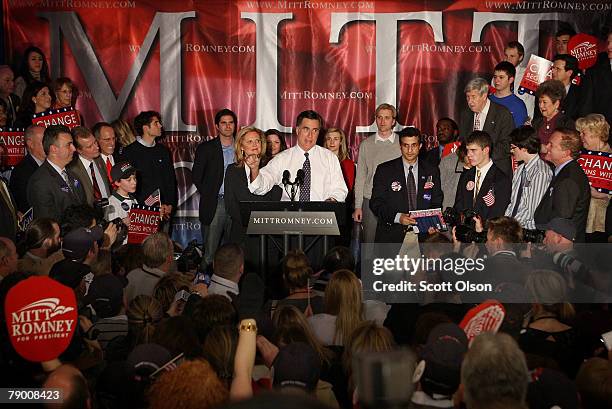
122, 229
465, 225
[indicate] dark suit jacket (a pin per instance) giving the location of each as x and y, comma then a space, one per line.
597, 90
386, 201
498, 125
8, 218
76, 166
571, 103
19, 181
432, 156
495, 180
568, 197
236, 191
50, 195
207, 176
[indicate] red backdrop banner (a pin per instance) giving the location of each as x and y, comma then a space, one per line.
268, 60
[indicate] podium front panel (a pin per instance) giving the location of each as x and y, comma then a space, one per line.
291, 222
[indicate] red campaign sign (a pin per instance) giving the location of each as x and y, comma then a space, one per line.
450, 148
598, 168
584, 48
12, 146
144, 221
538, 70
485, 317
41, 316
63, 116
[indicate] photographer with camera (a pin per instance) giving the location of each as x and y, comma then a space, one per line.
484, 188
504, 235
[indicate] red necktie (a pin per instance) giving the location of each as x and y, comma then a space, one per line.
96, 189
109, 166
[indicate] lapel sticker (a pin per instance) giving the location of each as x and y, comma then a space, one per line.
396, 186
470, 185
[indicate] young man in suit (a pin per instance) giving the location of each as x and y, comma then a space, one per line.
211, 160
401, 185
564, 69
88, 166
484, 188
494, 119
569, 193
24, 170
53, 188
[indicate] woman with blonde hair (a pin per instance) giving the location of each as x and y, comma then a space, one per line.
292, 326
367, 337
250, 141
547, 330
594, 132
298, 281
124, 133
335, 141
343, 309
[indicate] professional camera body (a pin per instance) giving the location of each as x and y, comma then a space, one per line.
465, 225
122, 229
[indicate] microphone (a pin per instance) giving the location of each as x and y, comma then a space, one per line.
286, 176
299, 179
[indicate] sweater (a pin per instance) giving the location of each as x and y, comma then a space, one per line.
372, 154
155, 171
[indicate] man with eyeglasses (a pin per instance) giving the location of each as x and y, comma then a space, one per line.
531, 179
153, 161
323, 180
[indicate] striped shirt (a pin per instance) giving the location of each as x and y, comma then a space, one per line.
110, 328
537, 179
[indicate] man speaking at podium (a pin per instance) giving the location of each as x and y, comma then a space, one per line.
322, 176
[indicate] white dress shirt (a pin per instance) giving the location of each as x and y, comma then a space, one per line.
104, 158
101, 185
482, 117
326, 180
483, 174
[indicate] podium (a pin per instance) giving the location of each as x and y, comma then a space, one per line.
291, 219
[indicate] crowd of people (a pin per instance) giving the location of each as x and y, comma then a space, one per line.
162, 327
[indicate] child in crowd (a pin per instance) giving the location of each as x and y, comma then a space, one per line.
121, 201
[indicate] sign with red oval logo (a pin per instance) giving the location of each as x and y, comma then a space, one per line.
584, 48
41, 315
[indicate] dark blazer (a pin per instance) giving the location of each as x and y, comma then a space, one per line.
597, 89
570, 105
568, 197
387, 201
495, 180
13, 102
8, 218
50, 195
236, 191
207, 176
76, 166
431, 156
498, 124
19, 181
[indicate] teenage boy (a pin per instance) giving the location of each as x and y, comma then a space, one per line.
484, 188
503, 78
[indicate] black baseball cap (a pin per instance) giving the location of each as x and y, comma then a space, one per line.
122, 170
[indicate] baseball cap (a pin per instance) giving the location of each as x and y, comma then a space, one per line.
146, 359
105, 295
297, 364
443, 354
564, 227
122, 170
79, 241
69, 272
